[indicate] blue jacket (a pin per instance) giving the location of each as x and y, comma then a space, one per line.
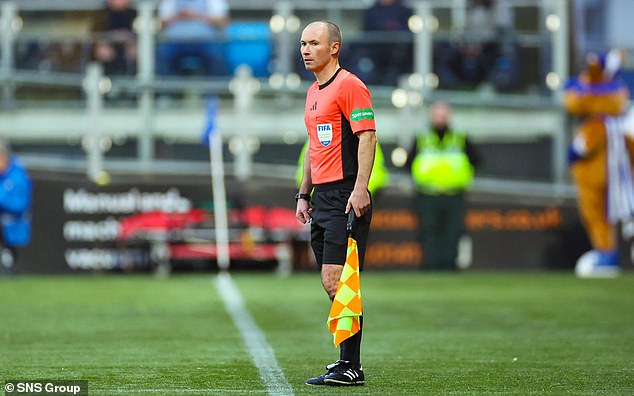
15, 204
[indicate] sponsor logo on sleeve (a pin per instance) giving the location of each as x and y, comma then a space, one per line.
324, 133
362, 114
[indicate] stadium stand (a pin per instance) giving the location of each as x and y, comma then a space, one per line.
55, 125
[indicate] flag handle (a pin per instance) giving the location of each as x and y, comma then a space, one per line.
351, 218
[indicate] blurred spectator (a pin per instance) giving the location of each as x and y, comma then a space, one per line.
442, 162
485, 52
115, 43
49, 53
378, 61
64, 56
15, 207
28, 55
192, 36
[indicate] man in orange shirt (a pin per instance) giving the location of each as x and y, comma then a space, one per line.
339, 119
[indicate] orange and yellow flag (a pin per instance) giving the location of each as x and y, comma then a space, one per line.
346, 311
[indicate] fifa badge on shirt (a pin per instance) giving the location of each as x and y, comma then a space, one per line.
324, 133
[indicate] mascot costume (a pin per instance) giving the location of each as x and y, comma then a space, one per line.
600, 157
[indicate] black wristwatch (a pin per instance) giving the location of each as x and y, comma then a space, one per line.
299, 196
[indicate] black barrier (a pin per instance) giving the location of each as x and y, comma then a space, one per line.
504, 234
76, 224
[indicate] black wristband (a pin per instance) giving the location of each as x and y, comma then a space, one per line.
299, 196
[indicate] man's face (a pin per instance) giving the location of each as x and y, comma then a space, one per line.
119, 4
314, 47
440, 115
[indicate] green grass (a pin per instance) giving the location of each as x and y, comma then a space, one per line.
472, 333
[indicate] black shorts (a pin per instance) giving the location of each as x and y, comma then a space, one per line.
328, 235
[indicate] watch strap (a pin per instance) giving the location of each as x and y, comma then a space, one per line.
299, 196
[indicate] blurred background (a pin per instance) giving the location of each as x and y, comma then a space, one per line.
109, 104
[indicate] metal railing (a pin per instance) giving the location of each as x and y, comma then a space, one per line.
283, 84
285, 24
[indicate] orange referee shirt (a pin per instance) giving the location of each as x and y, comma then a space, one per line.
335, 112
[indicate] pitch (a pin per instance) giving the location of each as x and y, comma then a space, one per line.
465, 334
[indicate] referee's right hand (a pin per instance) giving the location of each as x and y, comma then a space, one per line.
303, 211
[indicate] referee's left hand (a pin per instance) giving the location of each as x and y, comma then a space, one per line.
359, 201
303, 211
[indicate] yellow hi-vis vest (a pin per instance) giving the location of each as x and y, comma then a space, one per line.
378, 179
441, 166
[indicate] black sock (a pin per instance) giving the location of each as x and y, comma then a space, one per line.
350, 349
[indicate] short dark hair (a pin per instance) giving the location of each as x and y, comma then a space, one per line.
334, 33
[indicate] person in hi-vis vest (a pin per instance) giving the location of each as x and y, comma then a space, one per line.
442, 163
379, 179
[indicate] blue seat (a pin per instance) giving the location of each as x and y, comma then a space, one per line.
250, 43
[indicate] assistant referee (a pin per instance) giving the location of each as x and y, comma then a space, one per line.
339, 119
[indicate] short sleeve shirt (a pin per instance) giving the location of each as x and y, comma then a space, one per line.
335, 112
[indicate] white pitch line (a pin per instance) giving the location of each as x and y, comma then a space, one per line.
261, 352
